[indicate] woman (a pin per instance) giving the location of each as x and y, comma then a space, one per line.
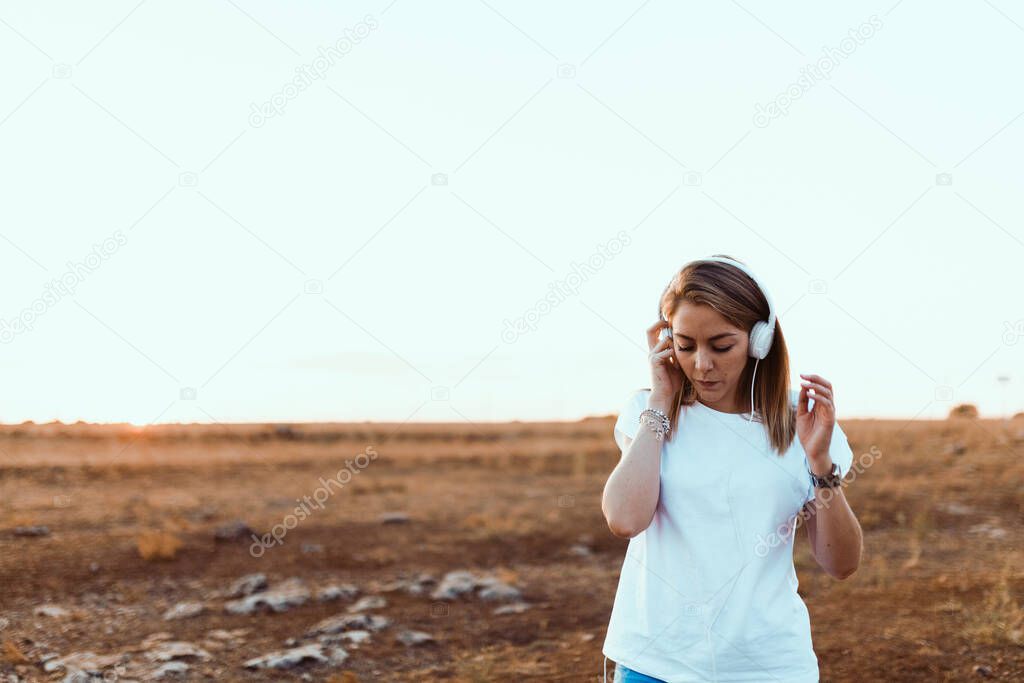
717, 471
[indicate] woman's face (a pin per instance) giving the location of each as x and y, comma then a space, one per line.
710, 348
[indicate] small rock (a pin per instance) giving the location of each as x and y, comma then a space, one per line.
394, 518
336, 591
367, 603
411, 638
49, 610
176, 649
184, 610
982, 670
30, 531
288, 594
170, 670
312, 548
247, 585
94, 567
346, 622
498, 591
454, 584
287, 659
580, 550
232, 531
512, 608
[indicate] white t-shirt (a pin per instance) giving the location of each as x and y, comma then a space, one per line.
708, 592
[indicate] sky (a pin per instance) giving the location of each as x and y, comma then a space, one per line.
236, 211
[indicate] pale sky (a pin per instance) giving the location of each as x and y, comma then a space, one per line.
359, 254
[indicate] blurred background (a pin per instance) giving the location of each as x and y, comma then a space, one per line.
434, 209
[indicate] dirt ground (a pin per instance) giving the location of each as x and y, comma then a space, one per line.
130, 516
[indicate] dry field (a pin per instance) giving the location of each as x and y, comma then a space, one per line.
131, 517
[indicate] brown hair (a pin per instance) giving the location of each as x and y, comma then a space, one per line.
737, 298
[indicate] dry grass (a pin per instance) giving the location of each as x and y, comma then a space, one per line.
999, 619
157, 545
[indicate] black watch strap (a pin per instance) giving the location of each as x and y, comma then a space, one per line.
830, 480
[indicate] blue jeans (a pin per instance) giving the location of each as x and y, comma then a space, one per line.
626, 675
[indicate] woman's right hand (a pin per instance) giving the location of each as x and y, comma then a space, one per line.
666, 376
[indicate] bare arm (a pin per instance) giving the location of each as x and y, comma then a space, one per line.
631, 493
834, 533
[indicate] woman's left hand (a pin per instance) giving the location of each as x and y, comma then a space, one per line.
814, 427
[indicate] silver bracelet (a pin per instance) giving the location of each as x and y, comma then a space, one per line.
657, 420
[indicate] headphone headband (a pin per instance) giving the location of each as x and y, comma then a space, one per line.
757, 281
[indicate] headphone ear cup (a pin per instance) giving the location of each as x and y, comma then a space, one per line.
760, 339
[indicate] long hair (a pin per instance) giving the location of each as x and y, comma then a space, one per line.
738, 299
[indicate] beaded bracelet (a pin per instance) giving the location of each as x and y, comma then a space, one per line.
657, 420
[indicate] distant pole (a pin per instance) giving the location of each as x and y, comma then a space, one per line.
1004, 380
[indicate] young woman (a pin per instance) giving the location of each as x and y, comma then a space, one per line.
720, 463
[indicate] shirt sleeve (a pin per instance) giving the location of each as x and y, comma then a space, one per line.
628, 422
839, 451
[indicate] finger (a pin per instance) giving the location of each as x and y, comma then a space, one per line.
654, 341
827, 403
817, 378
818, 388
801, 404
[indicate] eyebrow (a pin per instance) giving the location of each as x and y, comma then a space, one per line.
717, 336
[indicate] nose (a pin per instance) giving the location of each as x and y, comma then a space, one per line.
702, 361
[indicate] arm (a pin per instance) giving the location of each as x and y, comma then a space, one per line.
631, 493
833, 531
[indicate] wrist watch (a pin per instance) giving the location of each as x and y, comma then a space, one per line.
830, 480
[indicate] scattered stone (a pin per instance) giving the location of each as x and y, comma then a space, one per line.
312, 548
512, 608
394, 518
367, 603
356, 637
346, 622
290, 593
31, 531
499, 590
287, 659
990, 530
234, 634
982, 670
170, 670
184, 610
49, 610
247, 585
336, 591
94, 567
454, 584
232, 531
411, 638
176, 649
955, 508
580, 550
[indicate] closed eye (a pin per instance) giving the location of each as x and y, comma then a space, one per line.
690, 348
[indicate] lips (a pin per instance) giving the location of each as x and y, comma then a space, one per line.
708, 385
